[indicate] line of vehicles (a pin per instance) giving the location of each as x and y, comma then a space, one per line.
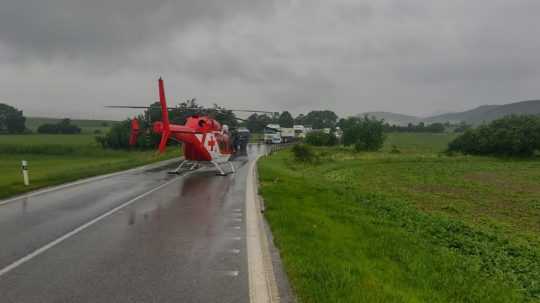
275, 134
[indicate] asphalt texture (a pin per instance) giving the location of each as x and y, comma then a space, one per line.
184, 242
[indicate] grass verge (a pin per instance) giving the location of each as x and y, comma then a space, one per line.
381, 227
57, 159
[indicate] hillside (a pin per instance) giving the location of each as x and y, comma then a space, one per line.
487, 113
484, 113
392, 118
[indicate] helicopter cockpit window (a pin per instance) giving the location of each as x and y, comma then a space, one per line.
221, 142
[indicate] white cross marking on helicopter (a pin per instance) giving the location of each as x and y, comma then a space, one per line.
211, 143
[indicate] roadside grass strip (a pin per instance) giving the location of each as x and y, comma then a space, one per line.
342, 242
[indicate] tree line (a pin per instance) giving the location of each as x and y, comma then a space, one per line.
514, 135
12, 121
317, 119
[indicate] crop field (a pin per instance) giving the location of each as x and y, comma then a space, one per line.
55, 159
411, 225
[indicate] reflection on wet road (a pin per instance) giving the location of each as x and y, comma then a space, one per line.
182, 243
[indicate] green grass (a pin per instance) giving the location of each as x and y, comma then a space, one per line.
56, 159
417, 143
410, 227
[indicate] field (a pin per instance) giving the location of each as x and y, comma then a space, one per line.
87, 126
413, 226
55, 159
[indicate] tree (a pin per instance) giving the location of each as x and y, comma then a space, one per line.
319, 119
256, 123
11, 119
286, 119
319, 138
509, 136
300, 119
364, 133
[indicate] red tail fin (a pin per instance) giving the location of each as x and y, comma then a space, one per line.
164, 117
163, 101
134, 131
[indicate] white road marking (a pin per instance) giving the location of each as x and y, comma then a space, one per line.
236, 227
237, 219
232, 273
262, 282
77, 230
83, 181
234, 251
236, 238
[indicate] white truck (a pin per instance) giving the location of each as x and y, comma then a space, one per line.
272, 134
299, 131
287, 134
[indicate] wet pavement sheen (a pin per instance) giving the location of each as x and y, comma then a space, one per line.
182, 243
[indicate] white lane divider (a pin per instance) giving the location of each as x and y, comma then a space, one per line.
77, 230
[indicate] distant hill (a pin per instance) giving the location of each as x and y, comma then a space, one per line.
33, 123
484, 113
488, 113
392, 118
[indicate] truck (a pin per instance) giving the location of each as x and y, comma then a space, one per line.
287, 134
299, 131
241, 140
271, 134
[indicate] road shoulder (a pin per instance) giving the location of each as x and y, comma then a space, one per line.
267, 279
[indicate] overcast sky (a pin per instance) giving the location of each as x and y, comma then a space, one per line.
71, 57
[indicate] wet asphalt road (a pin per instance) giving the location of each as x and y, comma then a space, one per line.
182, 243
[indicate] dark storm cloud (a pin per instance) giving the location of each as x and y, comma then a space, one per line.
80, 28
351, 56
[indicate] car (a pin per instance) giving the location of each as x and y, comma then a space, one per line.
276, 139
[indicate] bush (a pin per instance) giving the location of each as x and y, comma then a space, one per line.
319, 138
303, 153
509, 136
118, 136
366, 134
62, 127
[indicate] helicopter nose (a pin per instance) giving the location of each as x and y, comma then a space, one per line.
158, 127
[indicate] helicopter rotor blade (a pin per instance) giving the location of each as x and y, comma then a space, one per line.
138, 107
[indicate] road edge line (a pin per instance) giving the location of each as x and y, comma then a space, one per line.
261, 278
44, 248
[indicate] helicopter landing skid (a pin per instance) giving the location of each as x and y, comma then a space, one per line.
185, 166
221, 172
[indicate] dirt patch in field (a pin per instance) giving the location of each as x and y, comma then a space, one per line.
439, 189
503, 182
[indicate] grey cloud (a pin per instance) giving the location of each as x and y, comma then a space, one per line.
347, 55
106, 28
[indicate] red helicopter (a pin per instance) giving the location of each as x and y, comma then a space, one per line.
204, 140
